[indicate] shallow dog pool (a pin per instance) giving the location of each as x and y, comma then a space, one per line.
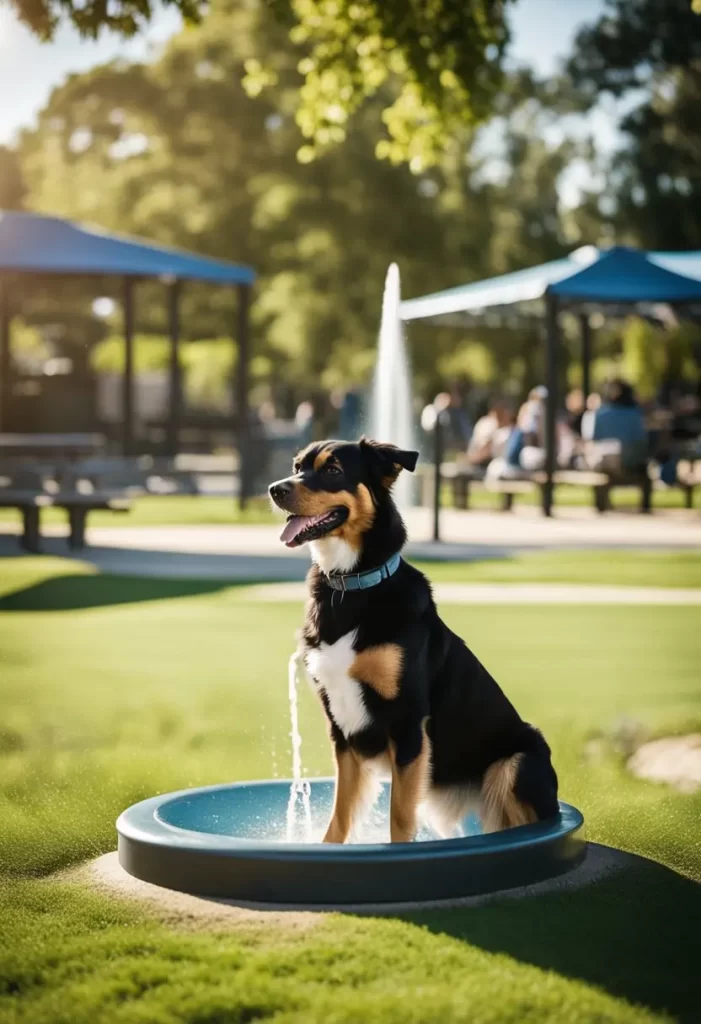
231, 842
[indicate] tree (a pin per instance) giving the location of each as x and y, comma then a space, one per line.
12, 186
650, 48
442, 61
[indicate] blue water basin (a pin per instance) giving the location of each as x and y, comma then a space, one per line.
239, 842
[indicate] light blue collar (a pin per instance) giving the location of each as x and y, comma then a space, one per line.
365, 580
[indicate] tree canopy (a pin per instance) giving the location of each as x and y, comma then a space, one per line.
440, 62
649, 52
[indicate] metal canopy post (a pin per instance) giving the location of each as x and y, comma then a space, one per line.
552, 345
585, 337
241, 393
128, 379
5, 355
174, 371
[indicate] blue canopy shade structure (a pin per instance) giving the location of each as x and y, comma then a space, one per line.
33, 244
589, 277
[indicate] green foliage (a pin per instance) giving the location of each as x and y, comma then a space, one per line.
126, 17
643, 356
473, 360
207, 365
440, 60
652, 49
150, 353
653, 353
28, 346
12, 186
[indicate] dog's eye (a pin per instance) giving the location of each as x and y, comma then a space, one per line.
332, 470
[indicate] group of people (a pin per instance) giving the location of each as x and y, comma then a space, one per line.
595, 432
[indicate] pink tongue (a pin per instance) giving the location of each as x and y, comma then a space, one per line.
295, 526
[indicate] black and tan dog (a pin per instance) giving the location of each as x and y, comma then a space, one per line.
402, 693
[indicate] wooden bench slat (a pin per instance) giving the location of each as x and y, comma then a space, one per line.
513, 486
16, 499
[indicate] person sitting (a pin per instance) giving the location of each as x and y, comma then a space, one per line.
525, 448
575, 405
490, 435
615, 432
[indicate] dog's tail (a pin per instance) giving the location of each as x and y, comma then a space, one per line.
522, 788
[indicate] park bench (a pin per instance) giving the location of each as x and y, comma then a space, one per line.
29, 493
24, 450
601, 483
459, 476
463, 478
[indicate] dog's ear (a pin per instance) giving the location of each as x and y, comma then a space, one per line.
386, 460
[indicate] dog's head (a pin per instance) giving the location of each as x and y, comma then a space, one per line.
341, 491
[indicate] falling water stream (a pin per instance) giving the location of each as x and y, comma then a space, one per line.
299, 789
391, 414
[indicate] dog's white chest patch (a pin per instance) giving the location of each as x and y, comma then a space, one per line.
333, 554
328, 665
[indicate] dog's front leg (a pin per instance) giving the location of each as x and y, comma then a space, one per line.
410, 757
348, 795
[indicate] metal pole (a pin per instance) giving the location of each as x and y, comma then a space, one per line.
5, 356
585, 335
437, 461
175, 375
552, 344
128, 379
241, 393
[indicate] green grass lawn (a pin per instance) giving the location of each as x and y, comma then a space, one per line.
621, 568
113, 689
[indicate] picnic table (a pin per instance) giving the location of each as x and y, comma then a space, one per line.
29, 491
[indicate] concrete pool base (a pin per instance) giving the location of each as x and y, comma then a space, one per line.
106, 875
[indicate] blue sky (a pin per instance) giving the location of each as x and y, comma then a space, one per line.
542, 31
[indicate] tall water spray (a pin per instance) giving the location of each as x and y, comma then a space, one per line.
299, 788
391, 416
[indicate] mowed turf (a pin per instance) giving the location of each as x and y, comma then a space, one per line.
618, 568
113, 689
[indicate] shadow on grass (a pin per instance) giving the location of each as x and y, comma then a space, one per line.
73, 592
635, 935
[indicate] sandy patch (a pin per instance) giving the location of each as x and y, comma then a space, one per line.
676, 761
106, 875
195, 913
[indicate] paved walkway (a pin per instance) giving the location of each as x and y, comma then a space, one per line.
255, 552
510, 593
